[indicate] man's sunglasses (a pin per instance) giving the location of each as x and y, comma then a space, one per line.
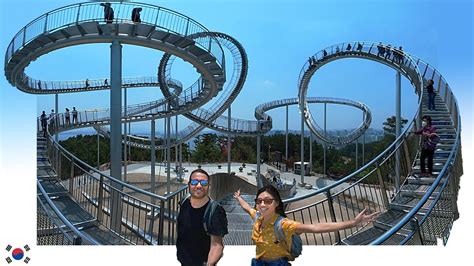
265, 201
203, 182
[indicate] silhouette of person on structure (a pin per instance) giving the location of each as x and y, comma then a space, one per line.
44, 123
68, 117
136, 15
431, 95
108, 12
74, 115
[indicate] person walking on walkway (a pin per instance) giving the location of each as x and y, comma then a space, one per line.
268, 210
197, 245
52, 119
136, 14
431, 95
67, 117
108, 12
429, 139
74, 115
44, 123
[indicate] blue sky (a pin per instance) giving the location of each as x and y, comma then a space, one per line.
278, 37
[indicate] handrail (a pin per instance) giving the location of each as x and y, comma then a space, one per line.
113, 179
448, 165
63, 219
97, 16
363, 50
399, 139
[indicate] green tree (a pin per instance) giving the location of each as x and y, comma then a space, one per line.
207, 148
389, 125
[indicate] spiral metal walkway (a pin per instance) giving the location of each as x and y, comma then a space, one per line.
75, 200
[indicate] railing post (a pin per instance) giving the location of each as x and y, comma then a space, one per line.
100, 200
24, 35
59, 166
161, 223
71, 177
383, 188
187, 26
78, 13
45, 23
77, 240
333, 214
454, 193
417, 237
407, 156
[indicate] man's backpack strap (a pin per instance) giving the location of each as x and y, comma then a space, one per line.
183, 199
208, 213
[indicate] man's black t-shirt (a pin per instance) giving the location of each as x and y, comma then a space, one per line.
193, 243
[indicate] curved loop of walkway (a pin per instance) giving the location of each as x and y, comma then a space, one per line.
363, 50
419, 210
83, 24
212, 117
261, 109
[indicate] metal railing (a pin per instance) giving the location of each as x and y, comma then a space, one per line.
351, 136
369, 187
160, 18
442, 210
372, 186
398, 60
53, 227
146, 217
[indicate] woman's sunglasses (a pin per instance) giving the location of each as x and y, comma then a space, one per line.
265, 201
203, 182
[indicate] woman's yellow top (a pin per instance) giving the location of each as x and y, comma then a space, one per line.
265, 238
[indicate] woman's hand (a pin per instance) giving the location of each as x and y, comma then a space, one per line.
362, 217
237, 194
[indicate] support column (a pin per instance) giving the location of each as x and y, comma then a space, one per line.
168, 152
302, 148
357, 155
56, 117
125, 155
228, 140
181, 171
259, 182
324, 143
398, 127
56, 125
153, 160
115, 133
176, 159
310, 151
286, 135
363, 141
98, 150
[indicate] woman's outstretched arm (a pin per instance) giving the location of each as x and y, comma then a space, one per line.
242, 202
361, 218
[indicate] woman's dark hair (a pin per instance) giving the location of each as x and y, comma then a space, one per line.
201, 172
427, 118
276, 195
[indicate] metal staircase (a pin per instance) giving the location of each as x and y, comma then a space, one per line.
239, 222
415, 187
61, 220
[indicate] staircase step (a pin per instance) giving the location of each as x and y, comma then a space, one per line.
422, 180
416, 190
389, 219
